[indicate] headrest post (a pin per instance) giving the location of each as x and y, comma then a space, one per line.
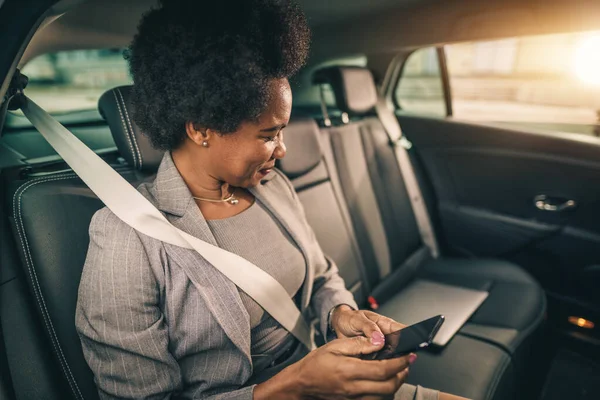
326, 120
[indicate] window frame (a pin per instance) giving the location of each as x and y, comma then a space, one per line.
399, 64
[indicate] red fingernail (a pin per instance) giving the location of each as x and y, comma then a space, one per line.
412, 358
377, 338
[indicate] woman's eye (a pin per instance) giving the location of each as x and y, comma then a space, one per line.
268, 139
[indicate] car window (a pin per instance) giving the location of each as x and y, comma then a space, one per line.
68, 81
420, 88
548, 83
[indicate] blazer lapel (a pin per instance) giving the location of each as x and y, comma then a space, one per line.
219, 293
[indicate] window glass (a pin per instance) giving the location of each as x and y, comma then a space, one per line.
420, 88
74, 80
548, 83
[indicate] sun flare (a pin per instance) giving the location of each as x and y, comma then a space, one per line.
587, 60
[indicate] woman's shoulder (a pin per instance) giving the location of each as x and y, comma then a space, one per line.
105, 222
106, 227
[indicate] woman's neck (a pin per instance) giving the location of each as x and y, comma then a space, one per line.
198, 180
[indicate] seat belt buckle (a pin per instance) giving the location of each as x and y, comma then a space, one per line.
373, 304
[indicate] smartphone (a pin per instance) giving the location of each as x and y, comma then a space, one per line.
408, 340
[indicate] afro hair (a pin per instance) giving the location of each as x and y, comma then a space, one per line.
209, 63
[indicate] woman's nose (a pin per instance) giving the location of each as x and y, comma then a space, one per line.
280, 150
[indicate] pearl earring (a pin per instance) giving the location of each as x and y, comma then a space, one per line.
205, 144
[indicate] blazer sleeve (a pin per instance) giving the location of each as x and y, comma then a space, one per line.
329, 289
118, 318
122, 329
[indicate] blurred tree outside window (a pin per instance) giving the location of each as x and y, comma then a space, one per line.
74, 80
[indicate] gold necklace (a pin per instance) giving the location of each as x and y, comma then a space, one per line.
231, 199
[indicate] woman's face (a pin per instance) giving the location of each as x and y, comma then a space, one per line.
244, 157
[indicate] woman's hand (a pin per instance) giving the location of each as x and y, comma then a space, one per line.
347, 322
334, 371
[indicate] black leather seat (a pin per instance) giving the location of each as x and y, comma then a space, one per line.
468, 366
380, 209
516, 304
50, 218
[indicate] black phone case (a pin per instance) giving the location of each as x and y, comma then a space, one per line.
408, 340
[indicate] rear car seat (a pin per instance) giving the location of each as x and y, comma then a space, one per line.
467, 366
50, 218
380, 208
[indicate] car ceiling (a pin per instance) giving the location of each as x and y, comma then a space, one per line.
342, 27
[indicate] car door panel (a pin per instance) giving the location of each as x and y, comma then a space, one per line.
486, 179
483, 233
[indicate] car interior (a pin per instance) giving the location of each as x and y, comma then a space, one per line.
509, 186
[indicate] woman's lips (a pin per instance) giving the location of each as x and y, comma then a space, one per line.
265, 171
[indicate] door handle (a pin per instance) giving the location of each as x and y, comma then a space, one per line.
547, 203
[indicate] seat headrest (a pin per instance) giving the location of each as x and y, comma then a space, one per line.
304, 153
115, 108
353, 87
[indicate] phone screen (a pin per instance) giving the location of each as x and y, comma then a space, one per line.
409, 339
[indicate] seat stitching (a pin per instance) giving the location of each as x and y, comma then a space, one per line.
497, 377
125, 128
33, 276
133, 136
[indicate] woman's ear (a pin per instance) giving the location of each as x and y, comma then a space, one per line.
197, 134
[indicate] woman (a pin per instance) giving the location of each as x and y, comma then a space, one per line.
211, 89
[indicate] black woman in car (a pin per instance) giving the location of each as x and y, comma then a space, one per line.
211, 89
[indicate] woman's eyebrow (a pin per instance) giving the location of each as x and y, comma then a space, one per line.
274, 128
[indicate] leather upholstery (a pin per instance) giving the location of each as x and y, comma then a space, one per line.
507, 321
353, 87
510, 287
115, 108
514, 308
50, 217
303, 148
466, 367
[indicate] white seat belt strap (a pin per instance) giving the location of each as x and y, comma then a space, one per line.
136, 211
401, 144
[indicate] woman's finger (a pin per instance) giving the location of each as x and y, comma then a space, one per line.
360, 324
382, 370
365, 388
387, 325
354, 346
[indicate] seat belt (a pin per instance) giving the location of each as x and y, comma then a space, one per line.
136, 211
401, 145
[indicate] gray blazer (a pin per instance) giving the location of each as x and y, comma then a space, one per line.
151, 330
